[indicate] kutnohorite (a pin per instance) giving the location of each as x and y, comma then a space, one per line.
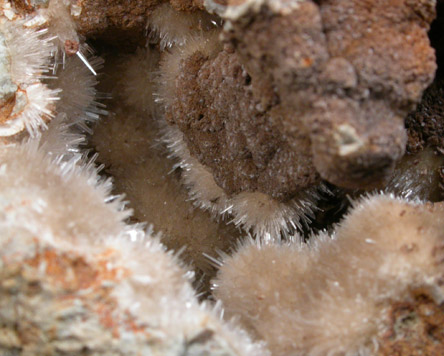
205, 99
256, 144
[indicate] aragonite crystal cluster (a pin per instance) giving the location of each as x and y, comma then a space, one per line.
75, 279
335, 295
228, 178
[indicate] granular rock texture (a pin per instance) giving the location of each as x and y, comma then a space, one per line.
416, 327
349, 70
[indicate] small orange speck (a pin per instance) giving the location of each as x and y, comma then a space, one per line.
307, 62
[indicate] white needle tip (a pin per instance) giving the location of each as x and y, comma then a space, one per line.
84, 60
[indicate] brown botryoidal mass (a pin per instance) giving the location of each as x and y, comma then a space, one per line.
305, 91
228, 130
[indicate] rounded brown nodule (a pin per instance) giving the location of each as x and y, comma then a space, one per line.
359, 160
368, 171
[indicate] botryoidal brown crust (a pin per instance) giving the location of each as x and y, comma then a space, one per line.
349, 70
114, 20
119, 21
228, 130
305, 92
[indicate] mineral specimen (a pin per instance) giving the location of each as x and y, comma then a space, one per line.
295, 92
75, 278
349, 70
128, 145
273, 115
210, 109
26, 103
339, 295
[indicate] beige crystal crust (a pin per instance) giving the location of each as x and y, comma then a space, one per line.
75, 278
333, 295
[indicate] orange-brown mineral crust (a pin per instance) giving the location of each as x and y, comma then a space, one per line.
416, 327
350, 70
118, 21
230, 131
23, 5
114, 19
22, 288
